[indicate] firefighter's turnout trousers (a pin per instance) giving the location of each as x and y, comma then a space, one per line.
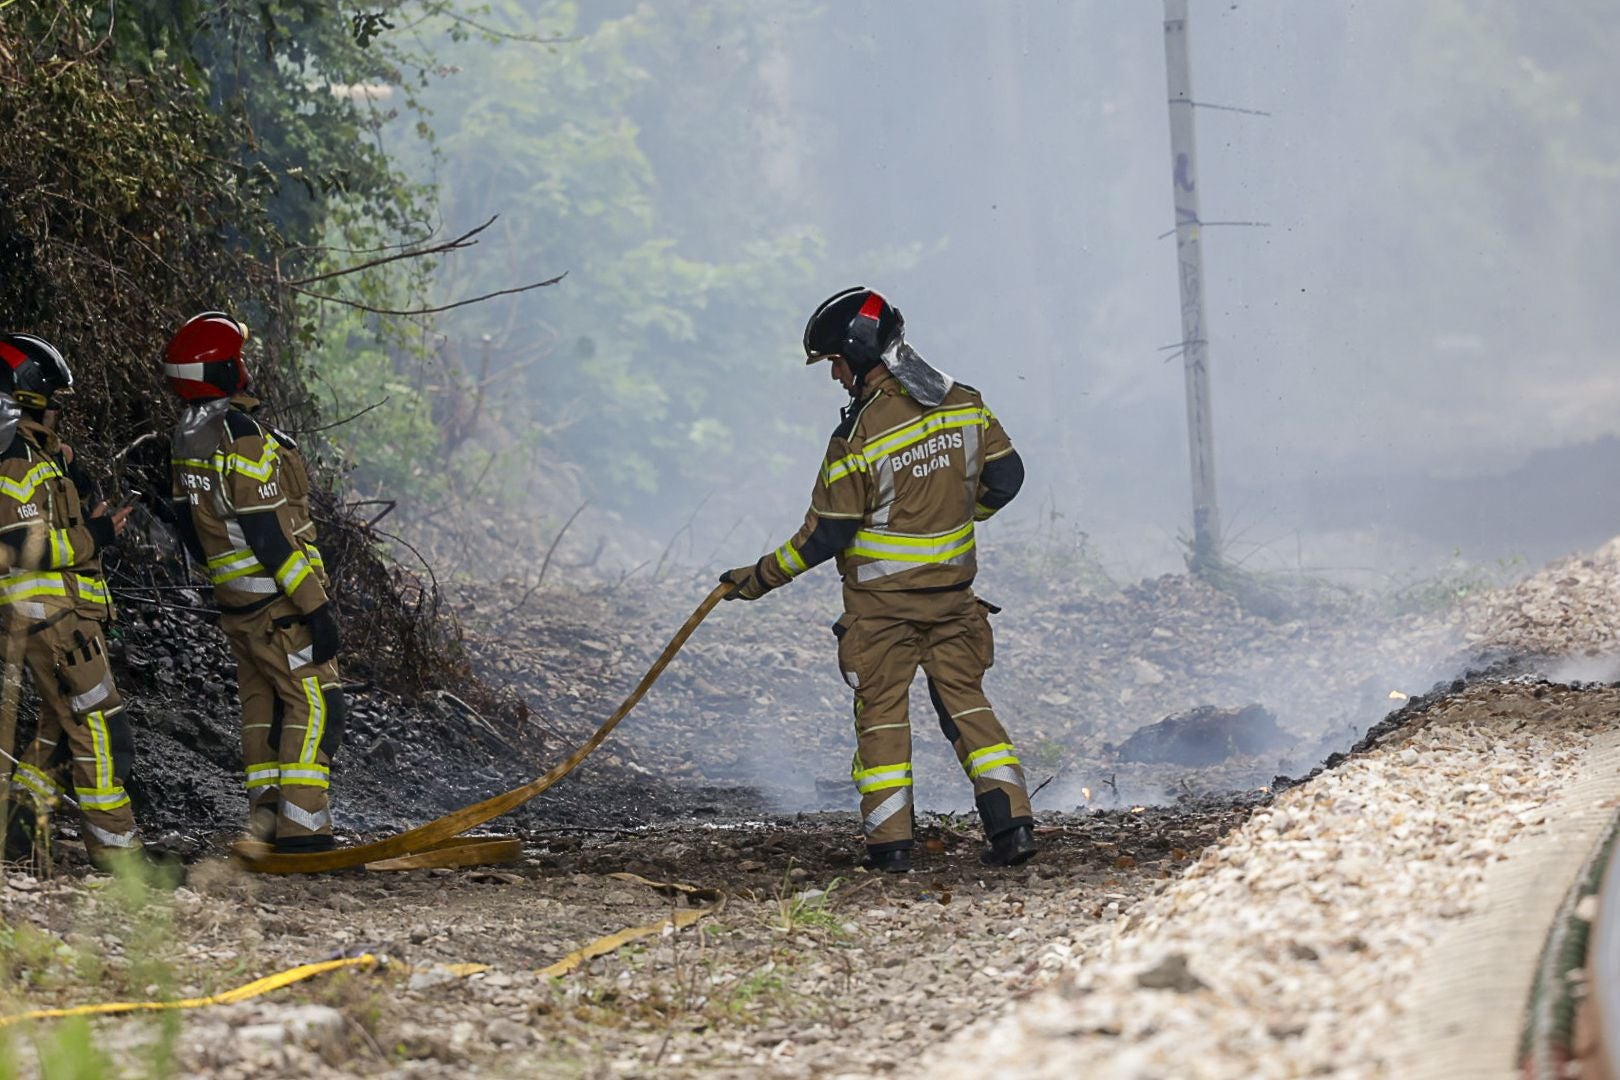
82, 723
292, 720
882, 639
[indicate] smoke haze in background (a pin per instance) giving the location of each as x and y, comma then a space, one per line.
1424, 312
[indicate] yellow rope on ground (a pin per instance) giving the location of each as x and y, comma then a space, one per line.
228, 997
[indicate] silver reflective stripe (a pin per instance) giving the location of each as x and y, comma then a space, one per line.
1007, 774
315, 822
302, 658
888, 567
92, 697
233, 533
921, 547
239, 560
104, 801
37, 782
112, 839
970, 447
311, 772
250, 584
885, 494
879, 780
194, 372
886, 809
31, 609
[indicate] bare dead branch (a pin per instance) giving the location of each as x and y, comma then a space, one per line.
345, 420
453, 244
546, 562
428, 310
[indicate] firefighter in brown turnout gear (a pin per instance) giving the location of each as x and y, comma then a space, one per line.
54, 605
241, 496
915, 462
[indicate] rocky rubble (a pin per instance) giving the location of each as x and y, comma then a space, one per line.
812, 967
755, 699
1569, 609
1285, 950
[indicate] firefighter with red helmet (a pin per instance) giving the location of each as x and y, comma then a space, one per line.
916, 461
241, 496
53, 606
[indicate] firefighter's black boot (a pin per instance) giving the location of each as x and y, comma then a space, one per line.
893, 861
1010, 848
304, 845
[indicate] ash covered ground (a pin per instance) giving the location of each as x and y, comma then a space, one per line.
1149, 693
812, 967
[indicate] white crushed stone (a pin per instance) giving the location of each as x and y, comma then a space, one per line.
1570, 608
1302, 929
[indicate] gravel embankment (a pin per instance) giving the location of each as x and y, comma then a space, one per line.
1287, 948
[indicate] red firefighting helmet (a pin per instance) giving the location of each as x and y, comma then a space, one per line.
204, 358
857, 324
33, 372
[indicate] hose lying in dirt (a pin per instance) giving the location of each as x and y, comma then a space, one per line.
437, 838
228, 997
677, 920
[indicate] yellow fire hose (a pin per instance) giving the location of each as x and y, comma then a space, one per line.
677, 920
439, 842
228, 997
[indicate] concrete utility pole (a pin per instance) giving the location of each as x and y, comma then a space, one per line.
1194, 334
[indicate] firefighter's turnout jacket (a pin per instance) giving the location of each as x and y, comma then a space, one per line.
53, 603
241, 496
895, 504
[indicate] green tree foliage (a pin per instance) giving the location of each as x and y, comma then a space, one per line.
158, 158
636, 154
1509, 155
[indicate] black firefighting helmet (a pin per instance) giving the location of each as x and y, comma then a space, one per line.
857, 324
33, 372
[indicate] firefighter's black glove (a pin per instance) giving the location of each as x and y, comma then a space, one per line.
323, 632
749, 584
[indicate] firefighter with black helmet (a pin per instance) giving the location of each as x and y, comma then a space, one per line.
241, 497
54, 603
915, 462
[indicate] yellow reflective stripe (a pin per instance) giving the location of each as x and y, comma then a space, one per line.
882, 777
919, 430
23, 490
990, 757
251, 568
314, 728
314, 554
25, 586
101, 747
305, 775
37, 781
61, 548
226, 557
897, 547
259, 776
981, 512
293, 572
913, 540
837, 470
91, 589
101, 798
789, 560
260, 469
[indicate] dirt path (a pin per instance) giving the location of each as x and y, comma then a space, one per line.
812, 966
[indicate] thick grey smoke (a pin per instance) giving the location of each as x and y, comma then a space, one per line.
1408, 272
